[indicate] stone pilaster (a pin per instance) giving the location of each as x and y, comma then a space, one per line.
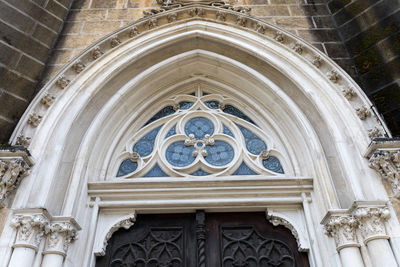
14, 166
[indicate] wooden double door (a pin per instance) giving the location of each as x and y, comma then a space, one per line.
203, 239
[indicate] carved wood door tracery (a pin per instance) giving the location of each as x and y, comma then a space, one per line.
212, 240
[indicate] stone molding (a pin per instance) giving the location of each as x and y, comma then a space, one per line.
15, 164
125, 222
60, 233
384, 157
367, 218
30, 226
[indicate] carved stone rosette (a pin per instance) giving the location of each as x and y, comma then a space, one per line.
59, 236
387, 164
343, 229
30, 229
14, 166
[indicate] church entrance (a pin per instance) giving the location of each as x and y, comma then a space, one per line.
203, 239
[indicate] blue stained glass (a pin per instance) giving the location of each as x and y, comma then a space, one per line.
126, 167
221, 153
168, 110
236, 112
199, 126
212, 104
145, 145
171, 132
273, 164
179, 155
185, 104
244, 170
156, 171
253, 143
227, 131
200, 172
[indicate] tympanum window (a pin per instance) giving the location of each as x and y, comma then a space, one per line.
199, 134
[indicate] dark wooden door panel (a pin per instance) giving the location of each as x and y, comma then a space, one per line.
154, 241
200, 240
249, 240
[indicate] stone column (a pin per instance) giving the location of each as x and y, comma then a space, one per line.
372, 227
60, 233
342, 227
30, 226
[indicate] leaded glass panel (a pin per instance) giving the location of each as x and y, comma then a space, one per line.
200, 140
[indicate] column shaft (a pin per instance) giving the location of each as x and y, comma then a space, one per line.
52, 260
351, 257
381, 253
22, 257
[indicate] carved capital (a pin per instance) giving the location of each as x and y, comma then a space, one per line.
30, 229
387, 164
14, 166
372, 222
59, 235
342, 227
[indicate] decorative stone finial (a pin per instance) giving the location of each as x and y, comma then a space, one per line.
279, 37
298, 48
47, 100
34, 119
333, 76
363, 112
348, 92
63, 82
317, 61
115, 41
133, 31
78, 66
96, 53
22, 140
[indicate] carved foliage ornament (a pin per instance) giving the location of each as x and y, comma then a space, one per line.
31, 229
387, 164
342, 229
59, 236
11, 173
371, 221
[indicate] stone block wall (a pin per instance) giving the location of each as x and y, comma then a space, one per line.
28, 31
89, 20
371, 31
